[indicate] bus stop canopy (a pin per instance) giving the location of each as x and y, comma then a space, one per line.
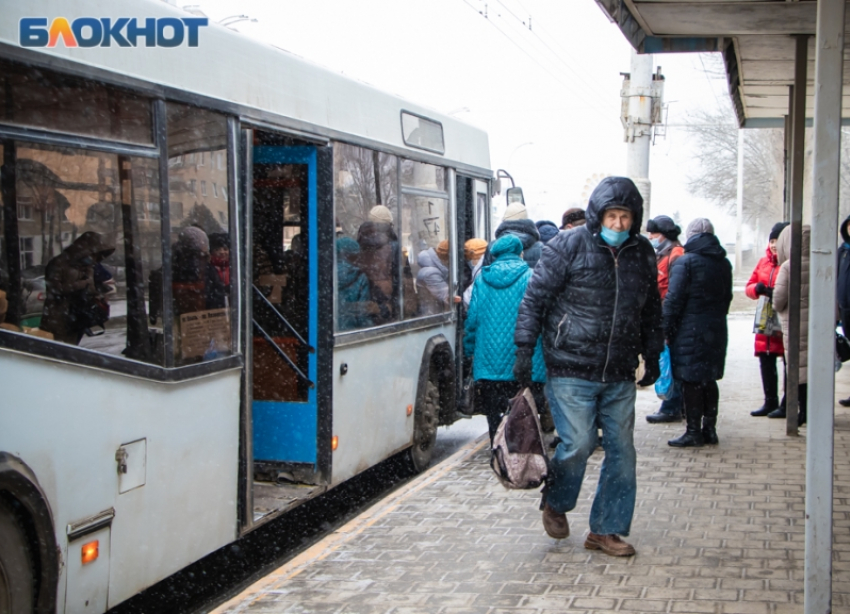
756, 38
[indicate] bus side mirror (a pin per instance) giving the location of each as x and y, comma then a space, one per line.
515, 196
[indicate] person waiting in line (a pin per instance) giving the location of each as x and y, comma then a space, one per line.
594, 298
843, 290
355, 306
573, 218
516, 223
473, 253
432, 280
378, 259
768, 347
73, 303
489, 331
664, 236
781, 302
548, 230
695, 310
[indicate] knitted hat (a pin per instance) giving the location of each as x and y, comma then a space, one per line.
547, 230
777, 229
507, 244
516, 211
699, 226
573, 216
346, 247
474, 249
442, 250
219, 240
381, 215
664, 225
194, 238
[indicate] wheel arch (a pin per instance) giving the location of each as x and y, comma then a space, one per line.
438, 365
19, 485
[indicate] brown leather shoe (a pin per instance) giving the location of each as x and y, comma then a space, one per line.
556, 524
611, 545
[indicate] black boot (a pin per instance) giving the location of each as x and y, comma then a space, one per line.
770, 404
693, 435
709, 422
779, 412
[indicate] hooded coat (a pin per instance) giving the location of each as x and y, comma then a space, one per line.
547, 231
596, 307
843, 291
526, 231
67, 276
490, 324
766, 272
782, 293
353, 299
378, 260
432, 282
695, 310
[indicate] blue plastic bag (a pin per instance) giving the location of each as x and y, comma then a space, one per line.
664, 383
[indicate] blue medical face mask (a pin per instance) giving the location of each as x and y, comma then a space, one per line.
612, 237
656, 242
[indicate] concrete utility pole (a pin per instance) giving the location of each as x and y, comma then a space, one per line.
642, 100
739, 238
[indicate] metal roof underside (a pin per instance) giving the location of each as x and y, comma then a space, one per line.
756, 38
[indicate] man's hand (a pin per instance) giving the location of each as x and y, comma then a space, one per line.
651, 373
522, 367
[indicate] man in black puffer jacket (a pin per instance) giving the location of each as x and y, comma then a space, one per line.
594, 297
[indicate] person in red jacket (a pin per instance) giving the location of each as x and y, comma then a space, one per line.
664, 236
768, 349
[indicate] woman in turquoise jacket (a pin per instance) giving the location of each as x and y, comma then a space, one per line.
489, 333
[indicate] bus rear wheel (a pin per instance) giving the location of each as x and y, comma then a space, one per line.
424, 430
16, 574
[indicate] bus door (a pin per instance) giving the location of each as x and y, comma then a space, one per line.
283, 303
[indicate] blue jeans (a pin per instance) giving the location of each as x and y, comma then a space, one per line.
673, 405
577, 405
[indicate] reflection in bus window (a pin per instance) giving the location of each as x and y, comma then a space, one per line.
88, 230
40, 98
200, 239
366, 206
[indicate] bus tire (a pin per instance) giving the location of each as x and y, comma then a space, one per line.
17, 581
424, 429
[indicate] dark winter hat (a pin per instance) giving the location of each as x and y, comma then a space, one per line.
547, 230
574, 216
219, 240
664, 225
777, 229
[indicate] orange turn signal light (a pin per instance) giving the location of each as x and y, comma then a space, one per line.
89, 552
410, 410
334, 443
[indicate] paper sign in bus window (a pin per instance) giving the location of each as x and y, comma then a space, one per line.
204, 334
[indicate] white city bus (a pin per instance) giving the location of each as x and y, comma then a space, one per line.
209, 260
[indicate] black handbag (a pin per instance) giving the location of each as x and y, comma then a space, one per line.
842, 347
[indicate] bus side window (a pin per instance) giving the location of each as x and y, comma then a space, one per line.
88, 231
368, 251
200, 237
427, 237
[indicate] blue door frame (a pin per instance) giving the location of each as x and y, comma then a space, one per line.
287, 431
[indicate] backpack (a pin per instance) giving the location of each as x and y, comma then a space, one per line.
518, 457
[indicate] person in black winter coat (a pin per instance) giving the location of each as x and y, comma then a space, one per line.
594, 298
695, 309
843, 290
516, 223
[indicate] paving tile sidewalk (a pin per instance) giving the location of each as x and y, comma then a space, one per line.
717, 529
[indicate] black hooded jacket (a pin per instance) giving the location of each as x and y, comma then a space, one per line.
843, 291
526, 231
597, 308
695, 310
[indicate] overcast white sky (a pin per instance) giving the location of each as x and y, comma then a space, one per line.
555, 86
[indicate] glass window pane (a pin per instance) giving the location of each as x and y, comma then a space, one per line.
88, 230
200, 234
368, 257
422, 133
40, 98
427, 244
424, 176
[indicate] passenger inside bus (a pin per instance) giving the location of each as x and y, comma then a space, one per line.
356, 307
378, 258
432, 280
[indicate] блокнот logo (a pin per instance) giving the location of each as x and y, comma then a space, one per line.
104, 31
